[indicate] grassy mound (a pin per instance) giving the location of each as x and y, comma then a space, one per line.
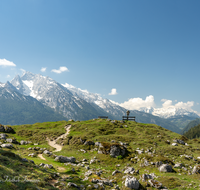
154, 142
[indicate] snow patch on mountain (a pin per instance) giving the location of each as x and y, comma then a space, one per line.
169, 112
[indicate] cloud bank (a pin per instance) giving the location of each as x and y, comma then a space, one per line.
137, 103
113, 92
6, 63
60, 70
187, 105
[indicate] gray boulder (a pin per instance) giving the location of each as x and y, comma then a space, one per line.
70, 184
2, 128
97, 144
50, 166
178, 165
11, 141
8, 129
23, 142
3, 136
32, 155
47, 152
115, 172
116, 150
132, 183
129, 170
24, 160
64, 159
179, 141
165, 168
7, 146
146, 176
196, 169
154, 183
159, 163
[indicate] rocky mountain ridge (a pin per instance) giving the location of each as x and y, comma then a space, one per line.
74, 103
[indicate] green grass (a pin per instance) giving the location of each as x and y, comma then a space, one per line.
137, 135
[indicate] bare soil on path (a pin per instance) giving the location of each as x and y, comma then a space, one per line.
63, 136
41, 157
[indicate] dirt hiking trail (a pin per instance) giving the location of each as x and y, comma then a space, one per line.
63, 136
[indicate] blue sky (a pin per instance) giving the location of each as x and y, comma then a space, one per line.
149, 50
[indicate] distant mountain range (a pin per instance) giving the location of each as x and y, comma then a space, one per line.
169, 112
37, 98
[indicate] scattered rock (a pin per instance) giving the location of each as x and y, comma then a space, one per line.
179, 141
178, 165
129, 170
50, 166
7, 146
32, 155
70, 184
146, 177
115, 172
47, 152
3, 136
116, 150
64, 159
24, 160
196, 169
165, 168
154, 183
89, 143
11, 140
98, 144
132, 183
8, 129
23, 142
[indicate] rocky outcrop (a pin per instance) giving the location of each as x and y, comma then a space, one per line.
114, 149
6, 129
129, 170
155, 184
165, 168
132, 183
196, 169
7, 146
64, 159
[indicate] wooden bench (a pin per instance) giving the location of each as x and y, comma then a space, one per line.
103, 117
128, 118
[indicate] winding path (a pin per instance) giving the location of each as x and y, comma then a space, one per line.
57, 146
41, 157
53, 143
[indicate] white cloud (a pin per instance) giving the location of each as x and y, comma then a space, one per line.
43, 69
66, 85
60, 70
137, 103
113, 92
188, 105
8, 76
167, 103
5, 63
